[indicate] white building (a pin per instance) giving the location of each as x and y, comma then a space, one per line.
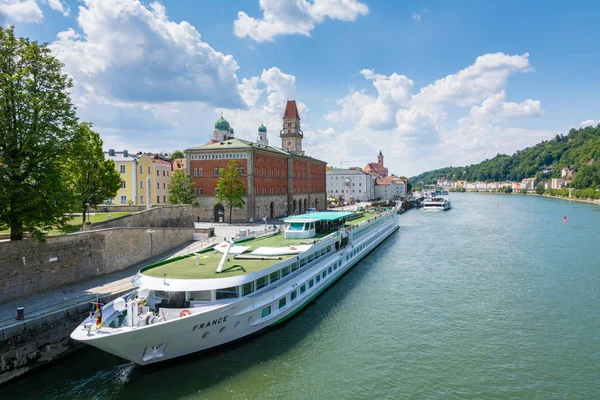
390, 188
345, 184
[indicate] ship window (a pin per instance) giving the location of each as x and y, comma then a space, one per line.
323, 252
199, 295
274, 276
237, 324
318, 279
285, 271
330, 269
265, 311
261, 282
302, 288
295, 266
161, 294
282, 302
311, 284
228, 293
335, 266
303, 262
310, 258
205, 335
324, 274
293, 295
247, 288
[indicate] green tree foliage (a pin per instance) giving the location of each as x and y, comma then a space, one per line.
177, 154
230, 190
409, 184
37, 126
507, 189
580, 149
93, 178
181, 189
539, 188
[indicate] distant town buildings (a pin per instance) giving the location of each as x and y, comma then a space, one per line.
377, 169
390, 188
278, 181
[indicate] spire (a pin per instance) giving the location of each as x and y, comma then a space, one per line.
291, 110
380, 153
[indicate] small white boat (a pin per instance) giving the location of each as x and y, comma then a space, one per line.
437, 204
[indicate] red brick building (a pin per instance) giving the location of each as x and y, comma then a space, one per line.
277, 181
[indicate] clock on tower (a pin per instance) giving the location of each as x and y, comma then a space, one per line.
291, 134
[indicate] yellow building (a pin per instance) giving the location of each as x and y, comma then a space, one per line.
162, 179
145, 171
126, 165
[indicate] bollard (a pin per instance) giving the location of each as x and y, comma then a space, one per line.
20, 313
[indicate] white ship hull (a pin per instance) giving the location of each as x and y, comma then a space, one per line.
219, 324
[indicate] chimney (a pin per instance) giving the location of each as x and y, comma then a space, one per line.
111, 152
125, 153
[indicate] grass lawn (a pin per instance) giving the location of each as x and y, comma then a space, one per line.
365, 217
187, 269
74, 224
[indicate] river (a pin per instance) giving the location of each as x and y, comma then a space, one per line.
497, 298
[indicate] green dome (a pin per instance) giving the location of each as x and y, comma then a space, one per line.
222, 124
262, 128
231, 130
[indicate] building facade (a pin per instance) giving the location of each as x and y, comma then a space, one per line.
350, 184
390, 188
378, 170
277, 181
126, 165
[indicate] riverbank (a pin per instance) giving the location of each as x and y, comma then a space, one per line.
588, 201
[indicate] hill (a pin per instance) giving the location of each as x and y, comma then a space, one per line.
580, 149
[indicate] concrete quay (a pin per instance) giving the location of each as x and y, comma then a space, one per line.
51, 316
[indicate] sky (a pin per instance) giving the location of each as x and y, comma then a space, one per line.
429, 83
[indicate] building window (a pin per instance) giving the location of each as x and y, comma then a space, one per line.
142, 199
157, 173
122, 169
149, 171
195, 190
199, 171
195, 171
247, 288
164, 185
123, 199
265, 312
123, 184
293, 295
164, 173
242, 171
157, 185
282, 302
141, 170
200, 190
216, 171
141, 184
164, 199
157, 199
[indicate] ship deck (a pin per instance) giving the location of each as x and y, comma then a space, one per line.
186, 268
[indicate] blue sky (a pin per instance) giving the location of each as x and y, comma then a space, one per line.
431, 83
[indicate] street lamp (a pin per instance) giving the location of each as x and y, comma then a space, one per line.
150, 231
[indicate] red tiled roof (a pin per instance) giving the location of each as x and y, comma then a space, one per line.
291, 110
377, 167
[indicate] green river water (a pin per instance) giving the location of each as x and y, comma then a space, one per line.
497, 298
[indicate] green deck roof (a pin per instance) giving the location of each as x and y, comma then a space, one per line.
322, 216
186, 268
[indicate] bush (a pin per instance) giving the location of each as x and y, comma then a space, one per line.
589, 193
558, 192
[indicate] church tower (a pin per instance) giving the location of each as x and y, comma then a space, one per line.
262, 135
222, 130
380, 158
291, 134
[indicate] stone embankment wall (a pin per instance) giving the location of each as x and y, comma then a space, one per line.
28, 266
33, 343
171, 216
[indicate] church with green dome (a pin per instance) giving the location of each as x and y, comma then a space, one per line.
223, 131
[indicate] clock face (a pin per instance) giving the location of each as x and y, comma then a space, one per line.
288, 144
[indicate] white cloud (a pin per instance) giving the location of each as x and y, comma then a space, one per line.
291, 17
422, 126
19, 11
416, 16
133, 53
59, 6
590, 122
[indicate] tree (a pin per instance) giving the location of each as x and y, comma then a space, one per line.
539, 188
93, 178
409, 184
181, 189
230, 190
177, 154
37, 126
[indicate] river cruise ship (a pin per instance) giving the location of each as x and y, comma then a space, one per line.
437, 204
207, 299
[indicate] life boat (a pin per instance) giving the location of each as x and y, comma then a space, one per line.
185, 313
